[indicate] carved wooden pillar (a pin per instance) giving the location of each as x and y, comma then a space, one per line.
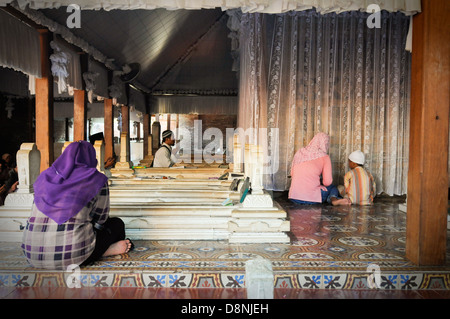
44, 103
426, 229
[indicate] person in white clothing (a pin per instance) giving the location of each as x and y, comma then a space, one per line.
164, 156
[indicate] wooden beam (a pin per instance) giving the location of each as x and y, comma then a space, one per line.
125, 119
428, 156
79, 115
125, 129
109, 128
44, 103
22, 17
80, 106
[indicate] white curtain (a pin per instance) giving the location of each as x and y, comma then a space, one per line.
272, 6
20, 49
304, 73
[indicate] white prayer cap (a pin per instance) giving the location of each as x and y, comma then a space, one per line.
357, 157
166, 133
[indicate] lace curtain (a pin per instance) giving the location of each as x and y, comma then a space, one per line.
306, 73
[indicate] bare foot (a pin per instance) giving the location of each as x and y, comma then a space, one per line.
342, 201
120, 247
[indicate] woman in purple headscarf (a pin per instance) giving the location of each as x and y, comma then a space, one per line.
69, 221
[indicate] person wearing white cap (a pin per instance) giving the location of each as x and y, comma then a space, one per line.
163, 156
358, 183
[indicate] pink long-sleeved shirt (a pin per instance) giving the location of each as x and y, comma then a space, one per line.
305, 182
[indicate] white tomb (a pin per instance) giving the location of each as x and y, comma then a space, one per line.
172, 203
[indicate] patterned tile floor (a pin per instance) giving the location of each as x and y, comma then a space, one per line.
335, 252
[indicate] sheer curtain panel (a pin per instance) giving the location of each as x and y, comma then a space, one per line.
304, 73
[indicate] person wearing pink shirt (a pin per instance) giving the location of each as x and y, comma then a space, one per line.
311, 174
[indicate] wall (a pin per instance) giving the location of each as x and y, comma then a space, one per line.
19, 128
222, 122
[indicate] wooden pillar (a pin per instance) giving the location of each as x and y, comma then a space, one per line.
80, 106
125, 119
109, 128
125, 129
156, 133
426, 230
147, 132
138, 131
44, 103
79, 115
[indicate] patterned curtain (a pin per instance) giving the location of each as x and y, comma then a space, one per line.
306, 72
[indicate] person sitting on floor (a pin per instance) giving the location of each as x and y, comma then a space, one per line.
164, 156
8, 185
310, 164
69, 221
359, 185
8, 160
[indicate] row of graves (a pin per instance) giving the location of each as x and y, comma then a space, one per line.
198, 201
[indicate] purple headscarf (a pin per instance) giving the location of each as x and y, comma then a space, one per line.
63, 189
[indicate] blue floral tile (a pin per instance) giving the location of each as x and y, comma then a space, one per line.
155, 280
233, 280
4, 280
310, 281
334, 280
179, 280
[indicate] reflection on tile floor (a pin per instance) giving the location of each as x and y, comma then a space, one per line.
331, 248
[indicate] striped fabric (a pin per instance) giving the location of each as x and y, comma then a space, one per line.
359, 186
51, 246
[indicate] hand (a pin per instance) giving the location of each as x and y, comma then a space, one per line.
323, 188
110, 162
13, 187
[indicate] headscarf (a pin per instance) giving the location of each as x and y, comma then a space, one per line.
318, 147
64, 188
